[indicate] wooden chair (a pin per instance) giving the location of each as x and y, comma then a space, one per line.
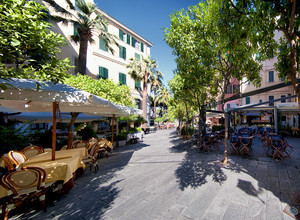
23, 184
91, 159
207, 143
16, 157
288, 149
32, 150
234, 144
8, 163
246, 145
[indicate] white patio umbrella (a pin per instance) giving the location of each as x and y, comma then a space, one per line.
50, 97
46, 117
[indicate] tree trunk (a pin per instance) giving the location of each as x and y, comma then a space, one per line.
144, 104
225, 141
82, 54
70, 134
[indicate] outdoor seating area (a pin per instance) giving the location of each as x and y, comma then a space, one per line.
31, 172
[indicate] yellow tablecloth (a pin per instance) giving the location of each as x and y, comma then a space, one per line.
62, 168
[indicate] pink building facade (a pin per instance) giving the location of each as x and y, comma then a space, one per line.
232, 89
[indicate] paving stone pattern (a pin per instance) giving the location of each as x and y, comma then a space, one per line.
165, 177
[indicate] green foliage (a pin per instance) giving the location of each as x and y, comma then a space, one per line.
105, 88
27, 43
218, 127
87, 133
12, 139
42, 138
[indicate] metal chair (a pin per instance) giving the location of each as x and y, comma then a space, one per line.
23, 184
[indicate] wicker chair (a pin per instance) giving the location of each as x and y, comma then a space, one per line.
16, 157
91, 159
32, 150
23, 184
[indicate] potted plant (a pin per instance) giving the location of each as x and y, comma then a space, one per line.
121, 138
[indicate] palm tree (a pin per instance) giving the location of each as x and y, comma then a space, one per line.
87, 20
156, 84
163, 97
143, 69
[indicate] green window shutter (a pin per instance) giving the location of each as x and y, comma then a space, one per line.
122, 78
247, 100
103, 73
121, 34
105, 28
75, 25
102, 44
142, 47
133, 41
122, 52
128, 39
271, 76
137, 84
137, 56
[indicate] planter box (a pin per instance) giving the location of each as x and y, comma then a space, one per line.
122, 143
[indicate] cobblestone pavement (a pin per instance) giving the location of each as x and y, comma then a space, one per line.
165, 177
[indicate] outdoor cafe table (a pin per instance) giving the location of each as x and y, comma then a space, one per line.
60, 169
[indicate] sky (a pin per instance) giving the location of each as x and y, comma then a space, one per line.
148, 18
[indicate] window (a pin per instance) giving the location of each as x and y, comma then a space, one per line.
75, 31
103, 73
271, 76
260, 101
137, 45
247, 100
228, 89
133, 41
283, 101
38, 126
122, 35
102, 44
137, 84
236, 88
282, 78
122, 79
289, 100
138, 103
122, 52
271, 98
137, 56
128, 39
142, 47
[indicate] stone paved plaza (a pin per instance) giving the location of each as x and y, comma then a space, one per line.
165, 177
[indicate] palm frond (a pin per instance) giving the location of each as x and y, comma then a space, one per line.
58, 8
72, 7
75, 38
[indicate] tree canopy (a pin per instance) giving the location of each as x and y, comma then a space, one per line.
104, 88
28, 48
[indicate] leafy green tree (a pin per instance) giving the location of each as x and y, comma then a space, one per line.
28, 48
105, 88
213, 45
145, 70
269, 16
87, 20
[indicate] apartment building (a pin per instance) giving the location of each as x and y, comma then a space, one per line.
270, 77
101, 63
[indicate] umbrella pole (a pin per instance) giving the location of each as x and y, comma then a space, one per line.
112, 129
53, 130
